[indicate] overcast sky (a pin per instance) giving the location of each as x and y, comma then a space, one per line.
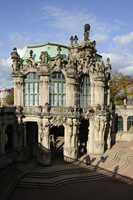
39, 21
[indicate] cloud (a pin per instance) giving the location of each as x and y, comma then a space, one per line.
5, 73
71, 22
124, 39
19, 40
127, 70
121, 61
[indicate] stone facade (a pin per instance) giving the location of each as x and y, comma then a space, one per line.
74, 62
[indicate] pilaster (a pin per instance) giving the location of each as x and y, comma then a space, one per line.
125, 123
18, 91
44, 90
44, 138
71, 92
99, 92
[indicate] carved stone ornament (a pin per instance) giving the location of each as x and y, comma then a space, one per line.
57, 121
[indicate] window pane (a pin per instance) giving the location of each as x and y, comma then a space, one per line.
57, 89
31, 90
85, 91
36, 88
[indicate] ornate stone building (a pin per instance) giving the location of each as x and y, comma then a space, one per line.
62, 97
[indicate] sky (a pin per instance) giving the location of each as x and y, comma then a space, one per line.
41, 21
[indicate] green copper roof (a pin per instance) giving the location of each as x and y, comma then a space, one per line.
49, 47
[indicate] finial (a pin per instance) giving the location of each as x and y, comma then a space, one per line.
71, 40
86, 32
108, 60
76, 39
31, 53
14, 49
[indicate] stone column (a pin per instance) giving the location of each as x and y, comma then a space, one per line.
45, 134
67, 139
44, 90
92, 88
74, 139
108, 97
125, 123
90, 143
18, 91
71, 92
96, 135
70, 140
99, 92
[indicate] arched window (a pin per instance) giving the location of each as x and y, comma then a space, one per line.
129, 122
57, 90
31, 90
120, 123
85, 95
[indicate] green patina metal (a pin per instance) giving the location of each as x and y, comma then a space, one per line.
51, 48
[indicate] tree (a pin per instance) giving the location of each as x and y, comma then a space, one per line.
121, 87
10, 99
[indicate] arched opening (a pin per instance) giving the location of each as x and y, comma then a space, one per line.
31, 129
129, 123
9, 138
57, 142
85, 93
83, 137
57, 90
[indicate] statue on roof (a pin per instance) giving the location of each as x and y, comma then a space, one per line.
16, 60
86, 32
44, 57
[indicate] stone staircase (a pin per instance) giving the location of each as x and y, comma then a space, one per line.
58, 176
10, 176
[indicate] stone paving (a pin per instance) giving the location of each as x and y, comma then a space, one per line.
69, 181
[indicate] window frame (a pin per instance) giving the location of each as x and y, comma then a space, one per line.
57, 89
85, 91
31, 89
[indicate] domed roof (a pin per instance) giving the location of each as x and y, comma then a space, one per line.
50, 48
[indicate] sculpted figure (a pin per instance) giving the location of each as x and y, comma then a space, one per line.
86, 32
15, 60
44, 57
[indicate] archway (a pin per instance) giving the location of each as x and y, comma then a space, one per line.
9, 138
57, 142
83, 137
31, 129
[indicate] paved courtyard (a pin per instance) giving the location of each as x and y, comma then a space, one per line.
69, 181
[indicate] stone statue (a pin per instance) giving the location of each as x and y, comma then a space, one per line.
76, 39
86, 32
71, 40
108, 69
15, 60
44, 57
